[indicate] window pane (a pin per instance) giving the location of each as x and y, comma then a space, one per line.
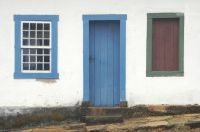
32, 34
39, 51
32, 26
39, 42
46, 34
25, 34
32, 51
39, 26
35, 34
46, 67
32, 66
46, 26
32, 42
25, 51
39, 67
46, 58
46, 42
25, 58
25, 41
32, 58
39, 34
46, 51
39, 58
25, 66
25, 26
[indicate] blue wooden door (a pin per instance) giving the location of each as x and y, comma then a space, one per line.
104, 62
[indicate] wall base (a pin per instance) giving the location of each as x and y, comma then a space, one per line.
17, 118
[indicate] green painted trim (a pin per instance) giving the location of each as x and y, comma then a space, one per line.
181, 44
164, 15
149, 72
164, 73
149, 46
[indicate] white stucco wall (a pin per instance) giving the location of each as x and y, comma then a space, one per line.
68, 90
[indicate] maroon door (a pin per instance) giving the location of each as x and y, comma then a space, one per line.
165, 44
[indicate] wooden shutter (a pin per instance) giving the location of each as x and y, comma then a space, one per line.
165, 44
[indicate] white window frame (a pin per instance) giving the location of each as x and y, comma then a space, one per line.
36, 47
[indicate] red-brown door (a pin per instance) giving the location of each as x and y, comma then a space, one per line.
165, 44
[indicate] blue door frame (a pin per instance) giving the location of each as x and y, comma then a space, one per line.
122, 57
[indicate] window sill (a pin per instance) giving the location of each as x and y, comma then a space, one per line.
164, 73
36, 75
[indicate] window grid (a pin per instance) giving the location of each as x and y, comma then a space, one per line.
36, 47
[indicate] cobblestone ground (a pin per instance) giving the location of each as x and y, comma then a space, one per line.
176, 123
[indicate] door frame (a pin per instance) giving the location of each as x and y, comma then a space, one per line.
86, 19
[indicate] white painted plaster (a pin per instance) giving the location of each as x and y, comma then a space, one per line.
68, 90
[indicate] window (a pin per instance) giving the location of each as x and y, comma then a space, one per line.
165, 34
36, 46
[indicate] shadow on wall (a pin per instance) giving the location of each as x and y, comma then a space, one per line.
47, 81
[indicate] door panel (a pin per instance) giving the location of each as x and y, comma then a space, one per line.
104, 62
165, 44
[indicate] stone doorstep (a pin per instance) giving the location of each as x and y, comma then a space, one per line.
104, 111
102, 115
91, 120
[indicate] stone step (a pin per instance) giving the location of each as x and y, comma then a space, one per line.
91, 120
102, 115
103, 111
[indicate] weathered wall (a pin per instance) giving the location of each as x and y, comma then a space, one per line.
69, 88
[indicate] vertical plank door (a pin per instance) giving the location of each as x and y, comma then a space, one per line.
104, 62
165, 44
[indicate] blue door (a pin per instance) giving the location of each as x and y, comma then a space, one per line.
104, 62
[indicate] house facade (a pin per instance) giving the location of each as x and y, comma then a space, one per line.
105, 53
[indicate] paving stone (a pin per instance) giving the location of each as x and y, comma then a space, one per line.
193, 124
77, 126
156, 123
99, 128
195, 120
48, 130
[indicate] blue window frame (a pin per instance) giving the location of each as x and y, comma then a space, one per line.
36, 46
86, 19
